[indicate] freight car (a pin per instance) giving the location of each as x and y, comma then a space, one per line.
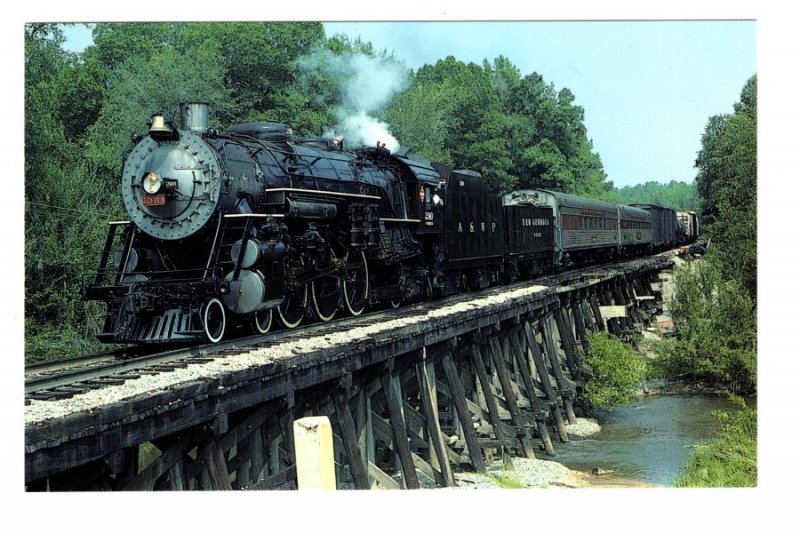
690, 227
665, 226
249, 226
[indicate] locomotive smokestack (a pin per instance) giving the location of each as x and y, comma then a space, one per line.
194, 116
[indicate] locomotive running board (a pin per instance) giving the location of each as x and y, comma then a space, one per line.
280, 199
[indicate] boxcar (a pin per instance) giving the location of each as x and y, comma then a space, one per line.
664, 226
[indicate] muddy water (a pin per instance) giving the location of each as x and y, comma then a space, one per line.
649, 441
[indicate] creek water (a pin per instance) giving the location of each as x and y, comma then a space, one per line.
650, 440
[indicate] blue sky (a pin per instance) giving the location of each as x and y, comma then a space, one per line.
647, 87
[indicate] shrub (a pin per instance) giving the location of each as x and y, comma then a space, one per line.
715, 331
617, 371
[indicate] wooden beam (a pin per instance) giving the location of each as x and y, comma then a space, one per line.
288, 475
258, 455
555, 364
427, 392
416, 422
382, 477
214, 474
459, 400
599, 322
350, 440
488, 393
511, 401
394, 403
178, 477
147, 477
568, 343
522, 366
541, 368
580, 326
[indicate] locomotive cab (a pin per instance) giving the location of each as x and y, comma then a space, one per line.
421, 180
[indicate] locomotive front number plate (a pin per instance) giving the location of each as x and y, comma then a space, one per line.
154, 199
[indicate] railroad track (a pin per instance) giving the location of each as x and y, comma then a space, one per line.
68, 377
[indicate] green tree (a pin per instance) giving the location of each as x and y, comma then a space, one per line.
144, 85
467, 124
419, 118
677, 195
258, 62
114, 43
727, 183
714, 338
545, 134
64, 201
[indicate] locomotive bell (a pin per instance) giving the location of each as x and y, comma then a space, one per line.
158, 124
160, 130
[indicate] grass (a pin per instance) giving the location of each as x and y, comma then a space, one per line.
730, 461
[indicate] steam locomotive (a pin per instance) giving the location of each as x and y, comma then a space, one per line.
253, 227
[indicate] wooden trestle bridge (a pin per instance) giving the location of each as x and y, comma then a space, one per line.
425, 390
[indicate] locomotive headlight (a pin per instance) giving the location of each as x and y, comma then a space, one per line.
152, 183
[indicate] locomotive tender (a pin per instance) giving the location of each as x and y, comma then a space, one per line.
250, 226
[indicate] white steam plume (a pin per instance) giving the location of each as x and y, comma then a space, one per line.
361, 128
366, 86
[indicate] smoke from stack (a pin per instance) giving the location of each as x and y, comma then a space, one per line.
366, 85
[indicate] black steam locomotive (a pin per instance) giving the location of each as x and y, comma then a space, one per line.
250, 226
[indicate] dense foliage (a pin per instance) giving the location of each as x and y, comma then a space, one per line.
715, 330
66, 202
731, 460
518, 131
678, 195
617, 371
727, 183
714, 306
